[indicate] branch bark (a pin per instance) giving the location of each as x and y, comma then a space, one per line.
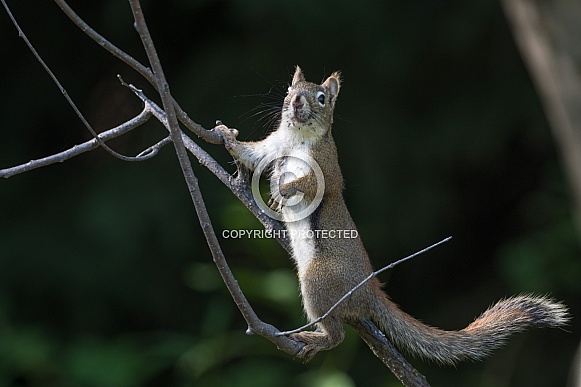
239, 186
125, 127
199, 130
254, 323
388, 354
64, 91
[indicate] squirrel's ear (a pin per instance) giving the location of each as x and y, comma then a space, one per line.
298, 77
333, 83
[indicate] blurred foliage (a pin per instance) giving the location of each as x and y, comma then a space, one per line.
105, 278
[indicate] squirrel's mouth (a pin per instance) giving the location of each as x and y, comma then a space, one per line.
299, 116
298, 120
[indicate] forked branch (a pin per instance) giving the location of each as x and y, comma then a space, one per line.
198, 129
254, 323
169, 116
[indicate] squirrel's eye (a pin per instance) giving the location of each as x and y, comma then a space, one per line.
321, 98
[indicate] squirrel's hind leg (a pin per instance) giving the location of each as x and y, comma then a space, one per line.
329, 334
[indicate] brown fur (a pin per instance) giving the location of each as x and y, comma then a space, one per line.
339, 264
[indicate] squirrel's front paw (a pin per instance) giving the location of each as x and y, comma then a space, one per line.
275, 204
282, 196
276, 200
228, 134
287, 190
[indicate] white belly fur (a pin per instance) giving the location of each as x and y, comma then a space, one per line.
285, 142
303, 246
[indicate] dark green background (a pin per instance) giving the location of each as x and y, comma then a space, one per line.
105, 279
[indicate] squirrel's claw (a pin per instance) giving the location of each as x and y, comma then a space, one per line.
275, 203
228, 134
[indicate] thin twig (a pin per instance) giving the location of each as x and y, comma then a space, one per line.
199, 130
154, 149
64, 91
125, 127
350, 292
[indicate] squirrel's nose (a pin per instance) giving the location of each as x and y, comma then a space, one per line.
298, 102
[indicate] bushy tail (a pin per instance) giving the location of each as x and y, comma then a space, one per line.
477, 340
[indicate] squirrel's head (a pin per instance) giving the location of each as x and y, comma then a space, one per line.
309, 107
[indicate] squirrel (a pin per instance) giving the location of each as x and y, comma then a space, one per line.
328, 268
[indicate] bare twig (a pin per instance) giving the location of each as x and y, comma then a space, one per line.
125, 127
254, 323
370, 276
154, 149
64, 92
198, 129
239, 186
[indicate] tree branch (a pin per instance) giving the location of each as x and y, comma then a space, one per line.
87, 146
63, 90
254, 323
388, 354
198, 129
239, 186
